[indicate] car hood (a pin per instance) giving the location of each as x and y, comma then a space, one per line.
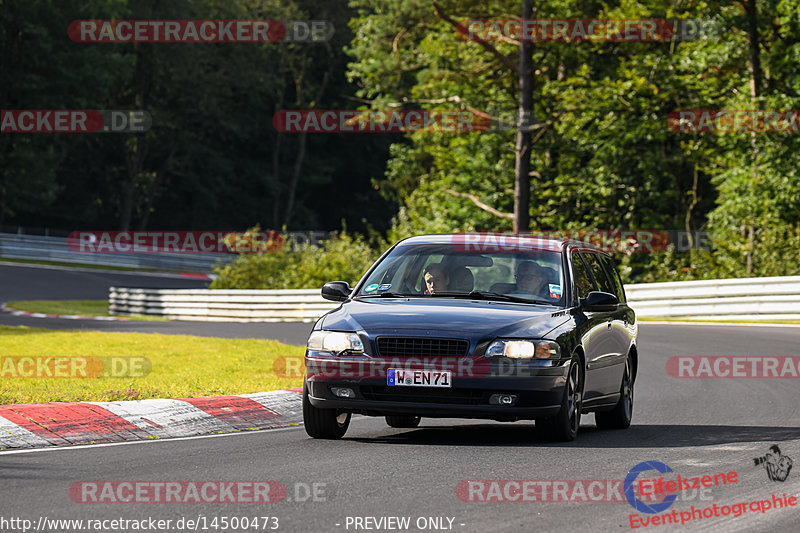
429, 316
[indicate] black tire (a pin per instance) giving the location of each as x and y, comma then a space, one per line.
622, 413
564, 426
403, 421
323, 423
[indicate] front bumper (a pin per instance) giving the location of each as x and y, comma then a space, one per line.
537, 385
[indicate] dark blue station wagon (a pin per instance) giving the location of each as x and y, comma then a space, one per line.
483, 326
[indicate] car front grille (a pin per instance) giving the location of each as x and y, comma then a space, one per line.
421, 347
428, 395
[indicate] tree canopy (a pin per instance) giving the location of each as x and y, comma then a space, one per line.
603, 153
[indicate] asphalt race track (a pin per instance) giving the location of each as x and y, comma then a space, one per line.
40, 282
695, 426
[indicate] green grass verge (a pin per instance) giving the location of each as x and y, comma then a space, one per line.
181, 366
71, 307
655, 319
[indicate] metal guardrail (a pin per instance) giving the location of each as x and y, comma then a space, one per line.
17, 246
291, 305
733, 299
773, 298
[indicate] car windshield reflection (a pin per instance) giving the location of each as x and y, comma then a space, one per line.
434, 270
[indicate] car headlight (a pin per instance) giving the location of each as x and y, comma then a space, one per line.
335, 342
517, 349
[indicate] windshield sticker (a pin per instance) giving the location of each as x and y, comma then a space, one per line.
371, 288
555, 291
384, 286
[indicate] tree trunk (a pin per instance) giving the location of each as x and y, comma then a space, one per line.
135, 152
276, 169
301, 149
298, 166
152, 190
522, 165
687, 221
755, 87
135, 146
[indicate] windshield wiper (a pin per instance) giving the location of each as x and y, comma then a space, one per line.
487, 295
479, 295
387, 295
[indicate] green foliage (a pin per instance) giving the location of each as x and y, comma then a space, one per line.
212, 159
344, 257
41, 68
603, 155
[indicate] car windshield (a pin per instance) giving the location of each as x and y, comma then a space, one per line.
442, 270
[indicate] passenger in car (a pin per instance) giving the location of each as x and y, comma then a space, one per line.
461, 280
531, 279
436, 278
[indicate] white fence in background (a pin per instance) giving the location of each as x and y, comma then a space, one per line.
730, 299
776, 298
290, 305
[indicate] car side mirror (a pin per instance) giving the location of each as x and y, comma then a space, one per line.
336, 291
599, 301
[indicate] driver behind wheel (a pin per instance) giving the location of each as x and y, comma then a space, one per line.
436, 278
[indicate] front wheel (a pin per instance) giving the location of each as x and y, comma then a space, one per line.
323, 423
622, 413
403, 421
564, 426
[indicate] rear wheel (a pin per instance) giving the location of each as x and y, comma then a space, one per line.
403, 421
564, 426
323, 423
620, 416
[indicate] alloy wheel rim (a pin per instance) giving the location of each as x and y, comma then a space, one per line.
574, 395
627, 390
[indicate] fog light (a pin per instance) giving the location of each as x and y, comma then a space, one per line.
343, 392
503, 399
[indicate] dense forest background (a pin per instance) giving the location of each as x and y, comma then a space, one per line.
602, 154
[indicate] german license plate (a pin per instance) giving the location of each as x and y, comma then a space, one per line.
419, 378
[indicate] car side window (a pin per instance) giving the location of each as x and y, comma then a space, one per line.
583, 282
599, 274
613, 274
